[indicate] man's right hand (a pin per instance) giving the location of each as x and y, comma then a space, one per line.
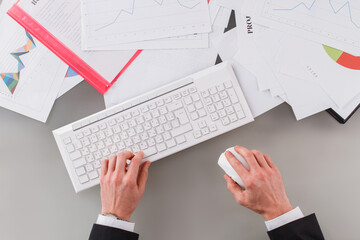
123, 185
264, 189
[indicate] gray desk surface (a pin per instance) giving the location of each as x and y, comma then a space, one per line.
186, 196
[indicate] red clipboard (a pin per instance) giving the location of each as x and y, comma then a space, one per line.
63, 52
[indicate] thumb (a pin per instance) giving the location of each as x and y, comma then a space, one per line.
234, 189
143, 175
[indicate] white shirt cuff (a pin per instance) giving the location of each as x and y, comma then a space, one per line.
284, 219
115, 223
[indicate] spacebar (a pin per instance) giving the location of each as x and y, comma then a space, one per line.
181, 130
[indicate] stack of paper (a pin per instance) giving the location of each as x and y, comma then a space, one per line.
292, 49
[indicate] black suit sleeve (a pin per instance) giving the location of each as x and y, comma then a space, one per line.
100, 232
306, 228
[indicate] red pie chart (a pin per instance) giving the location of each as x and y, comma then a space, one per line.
342, 58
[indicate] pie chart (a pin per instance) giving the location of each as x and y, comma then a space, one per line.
343, 58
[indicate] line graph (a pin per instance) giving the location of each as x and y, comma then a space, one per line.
309, 8
131, 12
114, 22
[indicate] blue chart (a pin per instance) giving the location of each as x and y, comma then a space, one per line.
114, 22
131, 12
346, 7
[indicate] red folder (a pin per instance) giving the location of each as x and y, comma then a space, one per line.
63, 52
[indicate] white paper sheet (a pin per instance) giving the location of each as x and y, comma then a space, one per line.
154, 69
62, 18
230, 4
314, 64
113, 22
331, 22
41, 72
68, 84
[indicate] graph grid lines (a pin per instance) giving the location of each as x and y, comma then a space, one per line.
336, 11
132, 11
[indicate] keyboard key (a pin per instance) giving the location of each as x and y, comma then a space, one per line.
174, 106
89, 167
85, 151
93, 148
93, 138
228, 84
167, 126
119, 119
194, 116
147, 126
70, 148
181, 130
211, 109
175, 123
185, 93
162, 120
98, 155
116, 129
95, 129
143, 146
180, 139
135, 112
100, 145
215, 98
136, 139
191, 108
220, 87
195, 97
171, 143
131, 132
225, 121
167, 136
213, 90
108, 132
208, 101
108, 142
90, 158
177, 96
160, 130
144, 136
155, 113
192, 89
93, 175
113, 149
83, 179
135, 148
205, 93
222, 113
160, 102
219, 106
233, 118
102, 126
233, 97
181, 116
67, 140
159, 139
147, 117
121, 146
132, 123
202, 113
155, 123
101, 136
188, 100
128, 142
105, 152
86, 132
151, 142
198, 105
170, 116
149, 152
79, 135
77, 145
214, 116
229, 110
80, 171
161, 147
205, 131
163, 111
97, 164
213, 128
202, 124
197, 134
112, 122
75, 155
127, 115
144, 109
239, 111
223, 95
124, 126
140, 120
78, 163
227, 102
168, 100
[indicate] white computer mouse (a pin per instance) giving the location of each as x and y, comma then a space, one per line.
225, 165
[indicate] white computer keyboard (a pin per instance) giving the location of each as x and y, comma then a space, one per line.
160, 123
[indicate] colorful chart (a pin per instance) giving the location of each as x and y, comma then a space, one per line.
343, 58
12, 79
70, 73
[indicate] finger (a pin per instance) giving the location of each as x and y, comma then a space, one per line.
135, 164
248, 156
121, 161
104, 167
260, 158
234, 189
269, 161
236, 165
112, 164
143, 175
